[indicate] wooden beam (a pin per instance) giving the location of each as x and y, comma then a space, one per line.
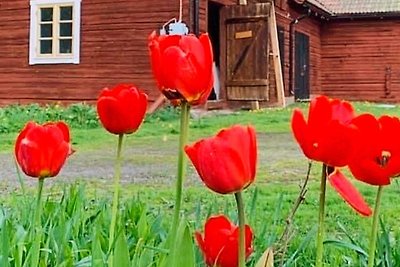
273, 33
156, 104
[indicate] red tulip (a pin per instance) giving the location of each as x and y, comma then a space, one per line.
328, 135
41, 150
349, 193
121, 109
227, 162
182, 66
378, 155
219, 244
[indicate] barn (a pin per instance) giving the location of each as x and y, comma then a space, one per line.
67, 50
353, 49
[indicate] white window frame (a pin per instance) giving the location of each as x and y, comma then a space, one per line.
34, 33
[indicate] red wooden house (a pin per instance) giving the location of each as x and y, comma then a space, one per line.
354, 52
67, 50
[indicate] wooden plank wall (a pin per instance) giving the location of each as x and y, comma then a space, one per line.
203, 5
361, 60
113, 50
309, 26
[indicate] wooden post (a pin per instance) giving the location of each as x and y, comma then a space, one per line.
276, 57
156, 104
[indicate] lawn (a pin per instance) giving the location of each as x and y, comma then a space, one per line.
76, 211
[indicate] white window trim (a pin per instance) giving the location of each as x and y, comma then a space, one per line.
34, 57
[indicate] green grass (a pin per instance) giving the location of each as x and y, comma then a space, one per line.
76, 217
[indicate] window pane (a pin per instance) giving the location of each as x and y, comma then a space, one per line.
66, 13
65, 46
46, 46
66, 29
46, 30
46, 14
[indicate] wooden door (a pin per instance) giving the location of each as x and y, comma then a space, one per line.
244, 40
302, 67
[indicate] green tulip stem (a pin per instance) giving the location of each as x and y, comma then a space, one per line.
185, 108
374, 229
117, 178
321, 218
242, 247
37, 227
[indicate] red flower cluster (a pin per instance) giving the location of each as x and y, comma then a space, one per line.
41, 150
121, 109
227, 162
220, 242
182, 66
370, 147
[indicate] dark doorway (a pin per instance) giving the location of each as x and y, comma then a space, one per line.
281, 40
302, 70
213, 17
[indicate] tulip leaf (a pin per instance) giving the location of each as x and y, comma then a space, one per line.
97, 252
182, 251
5, 243
267, 259
143, 225
347, 245
121, 251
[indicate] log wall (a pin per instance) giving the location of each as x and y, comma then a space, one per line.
113, 50
361, 60
355, 60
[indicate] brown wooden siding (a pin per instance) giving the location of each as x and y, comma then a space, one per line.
361, 60
113, 50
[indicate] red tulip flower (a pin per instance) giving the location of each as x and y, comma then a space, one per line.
378, 156
219, 244
121, 109
227, 162
328, 135
182, 66
41, 150
377, 159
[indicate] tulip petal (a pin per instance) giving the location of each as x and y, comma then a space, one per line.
20, 137
122, 109
349, 193
222, 167
319, 115
41, 150
369, 171
190, 44
220, 243
301, 134
182, 66
342, 111
160, 67
243, 139
336, 147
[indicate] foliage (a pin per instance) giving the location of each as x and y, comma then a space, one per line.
76, 218
13, 118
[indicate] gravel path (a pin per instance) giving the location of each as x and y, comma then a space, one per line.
143, 164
